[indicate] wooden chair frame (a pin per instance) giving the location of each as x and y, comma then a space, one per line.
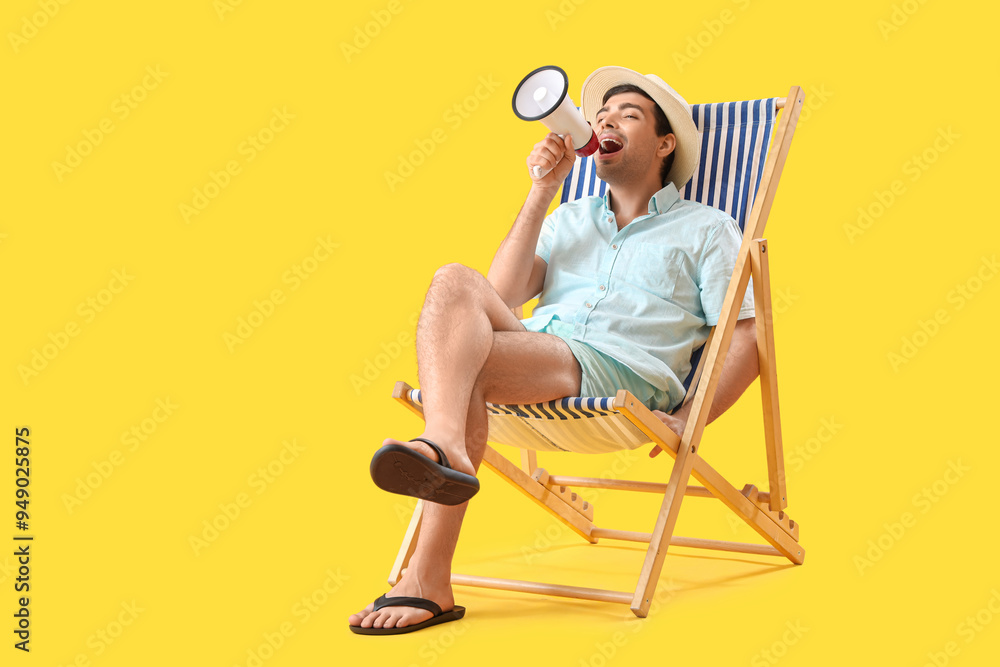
764, 512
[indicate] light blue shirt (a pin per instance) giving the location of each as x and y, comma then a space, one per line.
647, 295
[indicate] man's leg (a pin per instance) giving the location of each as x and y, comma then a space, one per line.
454, 338
516, 367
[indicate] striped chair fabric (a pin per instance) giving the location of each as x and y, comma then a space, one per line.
582, 425
735, 137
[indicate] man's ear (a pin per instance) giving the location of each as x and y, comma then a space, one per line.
666, 146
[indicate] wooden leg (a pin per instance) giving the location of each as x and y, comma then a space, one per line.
409, 544
768, 375
529, 460
662, 532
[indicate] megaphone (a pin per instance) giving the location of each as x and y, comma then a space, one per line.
543, 95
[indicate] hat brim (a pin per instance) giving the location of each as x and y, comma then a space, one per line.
687, 152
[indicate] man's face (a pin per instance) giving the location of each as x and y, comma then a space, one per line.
630, 149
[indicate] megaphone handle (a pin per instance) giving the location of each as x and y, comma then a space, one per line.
537, 170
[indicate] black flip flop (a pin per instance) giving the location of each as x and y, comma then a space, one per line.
399, 469
438, 617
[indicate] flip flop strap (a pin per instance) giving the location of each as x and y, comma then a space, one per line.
442, 459
419, 603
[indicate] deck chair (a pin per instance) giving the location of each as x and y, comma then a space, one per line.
742, 156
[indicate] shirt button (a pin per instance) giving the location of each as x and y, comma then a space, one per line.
601, 288
614, 246
588, 305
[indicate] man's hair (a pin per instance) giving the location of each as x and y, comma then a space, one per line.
662, 124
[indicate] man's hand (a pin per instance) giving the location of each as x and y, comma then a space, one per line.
675, 424
738, 372
555, 153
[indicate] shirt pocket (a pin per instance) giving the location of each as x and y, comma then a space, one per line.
655, 269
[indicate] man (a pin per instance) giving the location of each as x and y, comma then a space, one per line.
629, 285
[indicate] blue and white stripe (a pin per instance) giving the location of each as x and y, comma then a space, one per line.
735, 137
583, 425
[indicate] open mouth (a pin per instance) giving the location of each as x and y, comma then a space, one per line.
610, 145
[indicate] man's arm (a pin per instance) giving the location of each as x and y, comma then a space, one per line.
738, 372
516, 272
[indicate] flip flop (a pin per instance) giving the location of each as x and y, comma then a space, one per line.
438, 617
399, 469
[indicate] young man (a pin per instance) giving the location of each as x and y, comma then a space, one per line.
629, 286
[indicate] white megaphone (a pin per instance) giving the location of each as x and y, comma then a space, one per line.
543, 95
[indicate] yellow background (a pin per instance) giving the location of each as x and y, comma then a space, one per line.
874, 99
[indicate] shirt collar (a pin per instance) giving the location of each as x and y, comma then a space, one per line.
664, 199
660, 202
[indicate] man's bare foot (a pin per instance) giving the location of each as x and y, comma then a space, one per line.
399, 617
458, 458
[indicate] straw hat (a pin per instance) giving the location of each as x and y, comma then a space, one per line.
675, 107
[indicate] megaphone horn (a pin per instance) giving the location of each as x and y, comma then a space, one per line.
543, 95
